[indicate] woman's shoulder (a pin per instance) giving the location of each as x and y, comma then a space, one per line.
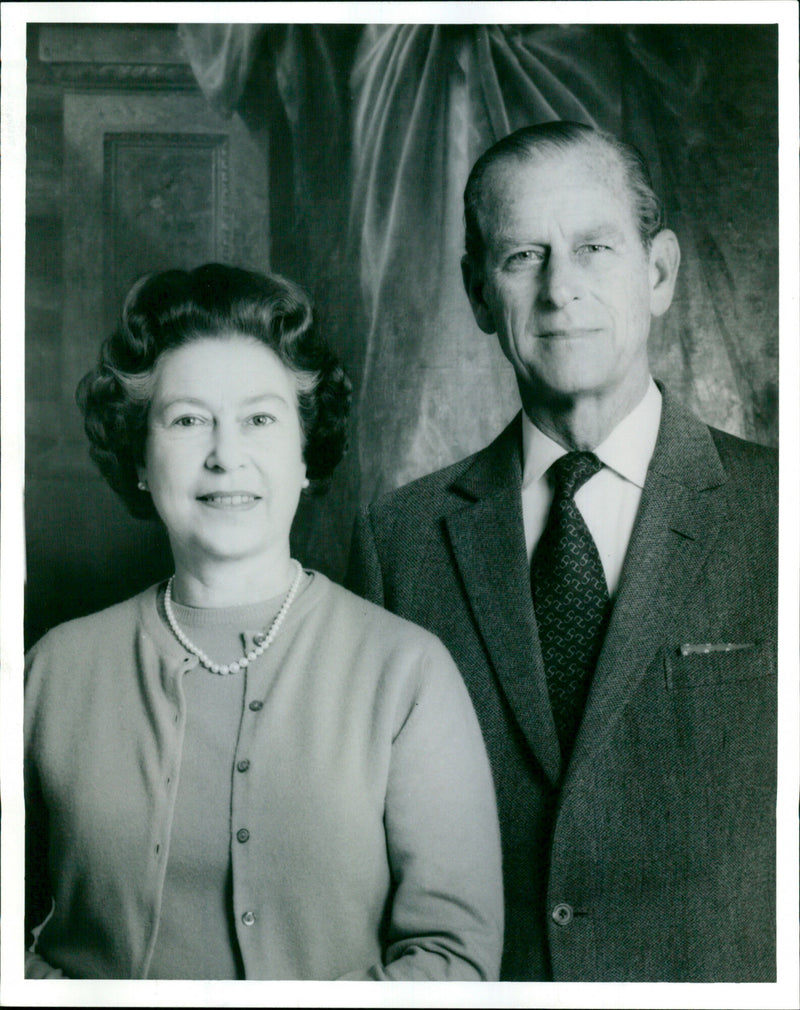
390, 662
366, 612
107, 625
372, 625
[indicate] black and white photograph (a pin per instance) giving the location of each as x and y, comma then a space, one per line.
399, 552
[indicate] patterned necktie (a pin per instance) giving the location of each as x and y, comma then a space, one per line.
570, 597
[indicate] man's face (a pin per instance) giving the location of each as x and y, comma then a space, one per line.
566, 283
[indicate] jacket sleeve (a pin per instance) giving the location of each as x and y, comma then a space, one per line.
364, 576
443, 838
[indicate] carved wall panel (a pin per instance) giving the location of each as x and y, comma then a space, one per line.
166, 205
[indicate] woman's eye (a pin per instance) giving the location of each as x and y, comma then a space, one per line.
261, 420
188, 421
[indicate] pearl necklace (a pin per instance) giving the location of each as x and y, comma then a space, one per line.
263, 640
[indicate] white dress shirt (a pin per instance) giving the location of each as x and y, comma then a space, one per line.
609, 500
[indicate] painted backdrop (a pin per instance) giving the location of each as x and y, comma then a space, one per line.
337, 154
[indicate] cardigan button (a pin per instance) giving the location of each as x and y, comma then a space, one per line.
242, 834
248, 918
256, 706
243, 765
562, 914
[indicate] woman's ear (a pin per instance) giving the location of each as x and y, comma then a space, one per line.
472, 275
665, 258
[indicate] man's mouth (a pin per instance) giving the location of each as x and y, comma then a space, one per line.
567, 334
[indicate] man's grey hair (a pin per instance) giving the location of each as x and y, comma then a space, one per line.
560, 135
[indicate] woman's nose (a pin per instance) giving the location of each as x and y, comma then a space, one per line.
227, 448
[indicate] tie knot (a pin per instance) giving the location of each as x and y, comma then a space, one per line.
571, 472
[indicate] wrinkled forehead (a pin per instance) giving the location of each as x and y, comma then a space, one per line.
590, 166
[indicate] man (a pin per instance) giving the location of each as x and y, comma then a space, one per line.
605, 576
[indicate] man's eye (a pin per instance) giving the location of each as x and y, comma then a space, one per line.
595, 247
524, 256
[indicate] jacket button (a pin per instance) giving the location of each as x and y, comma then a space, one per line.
242, 834
256, 706
243, 765
248, 918
562, 914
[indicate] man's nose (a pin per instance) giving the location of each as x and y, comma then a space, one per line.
227, 447
559, 280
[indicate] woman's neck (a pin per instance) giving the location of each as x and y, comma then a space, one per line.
231, 583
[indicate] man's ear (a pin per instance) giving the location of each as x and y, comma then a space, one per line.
472, 276
665, 258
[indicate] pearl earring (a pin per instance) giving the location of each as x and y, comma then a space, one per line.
142, 485
306, 483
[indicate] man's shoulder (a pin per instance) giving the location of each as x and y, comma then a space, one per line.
422, 492
741, 453
703, 456
752, 475
449, 486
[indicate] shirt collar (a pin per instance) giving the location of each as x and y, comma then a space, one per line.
627, 450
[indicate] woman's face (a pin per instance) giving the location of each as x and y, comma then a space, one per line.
224, 451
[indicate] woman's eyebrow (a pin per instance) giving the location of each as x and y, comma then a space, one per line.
179, 398
171, 400
264, 396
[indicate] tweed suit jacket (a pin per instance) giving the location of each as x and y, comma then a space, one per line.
651, 856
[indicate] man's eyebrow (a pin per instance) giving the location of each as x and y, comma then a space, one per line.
510, 238
606, 229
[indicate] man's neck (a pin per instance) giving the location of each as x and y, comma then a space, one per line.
581, 422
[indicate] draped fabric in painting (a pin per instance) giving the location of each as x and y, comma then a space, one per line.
371, 132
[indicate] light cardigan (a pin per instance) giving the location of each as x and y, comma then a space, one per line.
364, 837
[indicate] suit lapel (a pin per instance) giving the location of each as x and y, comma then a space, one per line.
487, 538
682, 509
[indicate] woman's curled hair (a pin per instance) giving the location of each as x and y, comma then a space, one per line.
167, 310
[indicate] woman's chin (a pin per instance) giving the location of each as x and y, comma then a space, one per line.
226, 551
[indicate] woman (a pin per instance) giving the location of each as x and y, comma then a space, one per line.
247, 771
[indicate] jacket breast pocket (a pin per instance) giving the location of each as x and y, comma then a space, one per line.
705, 664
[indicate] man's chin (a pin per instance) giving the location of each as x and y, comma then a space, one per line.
563, 388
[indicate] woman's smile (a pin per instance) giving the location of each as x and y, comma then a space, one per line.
229, 500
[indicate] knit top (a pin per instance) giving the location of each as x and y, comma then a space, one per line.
361, 834
195, 935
